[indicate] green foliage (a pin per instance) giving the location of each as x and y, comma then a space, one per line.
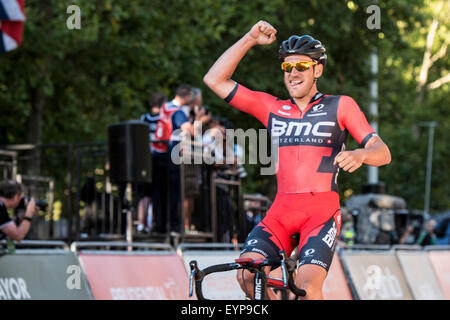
127, 49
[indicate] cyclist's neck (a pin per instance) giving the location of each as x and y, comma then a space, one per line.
302, 103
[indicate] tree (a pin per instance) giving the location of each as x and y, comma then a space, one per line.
66, 85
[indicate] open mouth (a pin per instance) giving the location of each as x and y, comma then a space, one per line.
295, 83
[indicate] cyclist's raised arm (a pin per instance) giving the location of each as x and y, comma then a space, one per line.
218, 78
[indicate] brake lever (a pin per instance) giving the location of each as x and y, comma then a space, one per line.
283, 257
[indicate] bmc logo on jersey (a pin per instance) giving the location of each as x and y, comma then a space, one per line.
295, 128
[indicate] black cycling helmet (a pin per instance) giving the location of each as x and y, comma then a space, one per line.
305, 45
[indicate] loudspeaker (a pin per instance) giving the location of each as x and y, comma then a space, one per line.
129, 152
379, 187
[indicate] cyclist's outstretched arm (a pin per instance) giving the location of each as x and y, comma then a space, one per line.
218, 78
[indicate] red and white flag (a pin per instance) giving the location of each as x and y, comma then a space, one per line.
12, 16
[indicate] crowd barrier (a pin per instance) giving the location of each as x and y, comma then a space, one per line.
419, 274
138, 271
217, 286
45, 270
375, 274
224, 286
398, 272
440, 260
335, 286
144, 271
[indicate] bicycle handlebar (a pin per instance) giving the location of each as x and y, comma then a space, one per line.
287, 267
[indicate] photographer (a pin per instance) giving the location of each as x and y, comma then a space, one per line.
11, 193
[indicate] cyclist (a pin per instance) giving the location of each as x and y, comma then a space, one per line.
310, 129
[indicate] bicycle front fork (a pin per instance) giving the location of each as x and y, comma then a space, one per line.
259, 288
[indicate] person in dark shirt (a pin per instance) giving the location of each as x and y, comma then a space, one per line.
145, 190
11, 193
427, 236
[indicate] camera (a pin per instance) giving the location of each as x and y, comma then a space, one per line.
41, 204
206, 108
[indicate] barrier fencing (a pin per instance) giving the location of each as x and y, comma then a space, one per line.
158, 271
84, 205
42, 270
142, 272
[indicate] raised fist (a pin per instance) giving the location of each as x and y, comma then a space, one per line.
263, 32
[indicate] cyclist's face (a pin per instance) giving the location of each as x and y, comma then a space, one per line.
300, 83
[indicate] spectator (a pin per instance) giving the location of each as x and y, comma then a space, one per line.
408, 235
171, 119
145, 190
155, 103
427, 236
11, 193
225, 164
193, 106
443, 231
347, 234
192, 173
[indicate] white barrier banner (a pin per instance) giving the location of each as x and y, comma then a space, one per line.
220, 285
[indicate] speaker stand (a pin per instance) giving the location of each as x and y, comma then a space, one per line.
129, 212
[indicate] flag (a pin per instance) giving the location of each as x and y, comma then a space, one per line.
12, 16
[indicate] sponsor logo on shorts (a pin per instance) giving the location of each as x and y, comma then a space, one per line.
338, 218
314, 261
251, 242
318, 262
331, 235
260, 251
309, 253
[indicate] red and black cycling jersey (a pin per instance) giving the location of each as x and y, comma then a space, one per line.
307, 141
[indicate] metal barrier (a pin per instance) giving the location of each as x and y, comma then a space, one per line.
227, 208
37, 244
407, 247
8, 164
77, 246
45, 171
359, 247
209, 246
437, 247
84, 205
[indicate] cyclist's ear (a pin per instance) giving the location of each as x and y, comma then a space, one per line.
318, 69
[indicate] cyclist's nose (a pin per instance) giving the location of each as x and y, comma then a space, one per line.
295, 74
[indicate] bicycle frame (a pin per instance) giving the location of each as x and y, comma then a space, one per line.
255, 266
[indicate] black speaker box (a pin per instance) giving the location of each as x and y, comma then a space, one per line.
129, 152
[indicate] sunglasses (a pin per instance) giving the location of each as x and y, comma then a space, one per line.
300, 65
